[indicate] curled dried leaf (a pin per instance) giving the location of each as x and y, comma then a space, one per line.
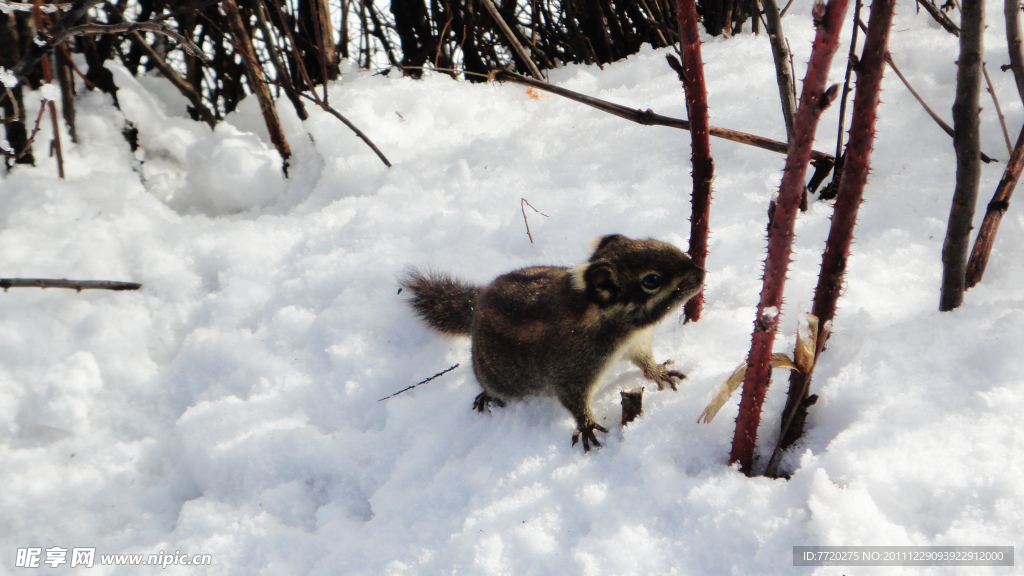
726, 389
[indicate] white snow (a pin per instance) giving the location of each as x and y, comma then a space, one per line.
230, 407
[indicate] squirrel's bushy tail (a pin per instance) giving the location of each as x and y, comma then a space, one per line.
445, 303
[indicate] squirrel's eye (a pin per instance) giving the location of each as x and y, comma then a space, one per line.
651, 281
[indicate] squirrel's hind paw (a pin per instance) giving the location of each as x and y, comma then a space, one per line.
587, 432
483, 400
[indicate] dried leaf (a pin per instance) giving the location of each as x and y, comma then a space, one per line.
725, 390
780, 360
723, 394
806, 342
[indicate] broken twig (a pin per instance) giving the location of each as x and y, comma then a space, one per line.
523, 202
441, 373
77, 285
999, 109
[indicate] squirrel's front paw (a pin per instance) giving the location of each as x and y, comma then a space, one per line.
587, 431
662, 375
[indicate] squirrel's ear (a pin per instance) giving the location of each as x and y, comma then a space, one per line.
600, 242
602, 282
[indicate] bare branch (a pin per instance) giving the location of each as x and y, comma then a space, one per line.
649, 118
940, 17
126, 27
441, 373
999, 109
523, 202
77, 285
327, 108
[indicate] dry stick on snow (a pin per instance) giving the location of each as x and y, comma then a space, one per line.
523, 202
870, 70
632, 404
999, 109
649, 118
967, 144
692, 75
783, 73
255, 76
813, 101
940, 17
77, 285
493, 11
786, 8
1011, 13
407, 388
994, 214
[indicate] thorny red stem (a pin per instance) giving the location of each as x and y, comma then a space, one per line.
813, 100
700, 144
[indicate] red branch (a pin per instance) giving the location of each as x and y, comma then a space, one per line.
700, 143
813, 100
848, 200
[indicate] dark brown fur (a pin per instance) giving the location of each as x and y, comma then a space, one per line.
556, 329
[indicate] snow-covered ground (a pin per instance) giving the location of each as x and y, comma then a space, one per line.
231, 408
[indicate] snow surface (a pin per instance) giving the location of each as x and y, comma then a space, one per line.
231, 407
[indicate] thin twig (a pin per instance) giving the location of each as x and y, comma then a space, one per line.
999, 110
441, 373
940, 17
522, 202
846, 84
786, 9
77, 285
520, 51
126, 27
649, 118
35, 129
38, 20
327, 108
16, 113
1011, 13
942, 123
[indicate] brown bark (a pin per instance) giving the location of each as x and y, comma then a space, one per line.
256, 82
77, 285
780, 53
1011, 13
322, 61
967, 144
994, 214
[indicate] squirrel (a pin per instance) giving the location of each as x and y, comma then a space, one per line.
558, 329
